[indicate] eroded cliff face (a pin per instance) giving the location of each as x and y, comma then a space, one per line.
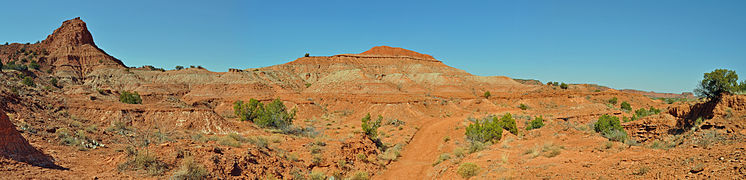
14, 146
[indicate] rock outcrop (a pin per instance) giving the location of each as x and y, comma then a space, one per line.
395, 51
72, 52
14, 146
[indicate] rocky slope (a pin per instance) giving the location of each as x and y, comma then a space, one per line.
186, 121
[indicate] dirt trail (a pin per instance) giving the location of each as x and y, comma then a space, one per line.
422, 152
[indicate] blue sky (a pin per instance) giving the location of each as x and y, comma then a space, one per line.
663, 46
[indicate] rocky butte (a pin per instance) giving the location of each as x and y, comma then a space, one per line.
72, 113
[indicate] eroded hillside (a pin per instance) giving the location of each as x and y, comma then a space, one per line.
71, 114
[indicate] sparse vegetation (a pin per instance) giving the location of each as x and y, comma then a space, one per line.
487, 94
523, 106
179, 67
536, 123
130, 98
625, 106
190, 170
468, 170
611, 128
563, 86
508, 123
138, 160
613, 101
28, 81
642, 112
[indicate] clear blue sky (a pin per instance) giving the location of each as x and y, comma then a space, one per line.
661, 45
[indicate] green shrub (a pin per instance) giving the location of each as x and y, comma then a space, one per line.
468, 170
248, 111
625, 106
370, 129
613, 100
488, 129
130, 98
179, 67
642, 112
718, 82
317, 175
275, 115
563, 86
487, 94
28, 81
611, 128
307, 55
508, 123
190, 170
441, 158
33, 65
537, 123
523, 106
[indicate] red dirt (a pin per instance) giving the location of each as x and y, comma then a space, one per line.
425, 104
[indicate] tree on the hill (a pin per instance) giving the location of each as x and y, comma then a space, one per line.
179, 67
718, 82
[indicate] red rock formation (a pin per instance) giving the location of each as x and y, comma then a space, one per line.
395, 51
72, 52
14, 146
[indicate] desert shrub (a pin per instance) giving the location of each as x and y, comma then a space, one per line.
275, 115
468, 170
718, 82
233, 140
563, 86
28, 81
317, 175
1, 65
138, 160
370, 129
476, 146
508, 123
611, 128
392, 153
642, 112
179, 67
307, 55
33, 65
536, 123
259, 141
441, 158
190, 170
54, 82
613, 100
360, 175
18, 67
130, 98
487, 129
248, 111
625, 106
487, 94
523, 106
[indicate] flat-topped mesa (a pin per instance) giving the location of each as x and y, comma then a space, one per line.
72, 52
387, 51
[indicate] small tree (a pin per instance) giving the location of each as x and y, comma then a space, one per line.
625, 106
307, 55
484, 131
274, 115
179, 67
487, 94
718, 82
248, 111
508, 123
54, 82
371, 128
563, 86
